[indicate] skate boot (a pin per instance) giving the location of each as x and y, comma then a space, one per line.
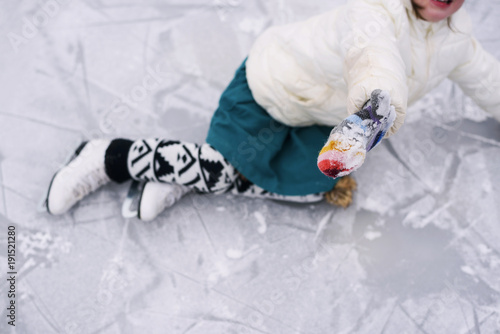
82, 174
147, 200
346, 148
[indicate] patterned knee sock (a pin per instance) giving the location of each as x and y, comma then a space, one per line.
246, 188
200, 167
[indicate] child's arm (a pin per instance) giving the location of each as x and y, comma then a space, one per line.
372, 59
479, 78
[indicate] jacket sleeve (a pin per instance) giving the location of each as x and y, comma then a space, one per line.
479, 77
372, 59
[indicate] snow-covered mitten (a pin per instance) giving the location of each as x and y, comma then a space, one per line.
346, 147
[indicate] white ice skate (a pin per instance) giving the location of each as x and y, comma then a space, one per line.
147, 200
82, 174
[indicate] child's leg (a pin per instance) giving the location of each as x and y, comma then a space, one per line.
199, 167
95, 163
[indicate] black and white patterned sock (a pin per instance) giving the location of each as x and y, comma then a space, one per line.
200, 167
246, 188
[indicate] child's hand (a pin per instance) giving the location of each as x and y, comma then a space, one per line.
345, 149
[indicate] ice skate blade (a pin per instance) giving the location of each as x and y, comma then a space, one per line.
130, 207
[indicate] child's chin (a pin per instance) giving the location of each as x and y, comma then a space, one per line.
435, 15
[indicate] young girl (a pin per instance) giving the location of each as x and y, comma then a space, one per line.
368, 59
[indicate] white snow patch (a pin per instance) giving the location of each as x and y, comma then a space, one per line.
372, 235
473, 112
411, 219
262, 222
221, 271
468, 270
373, 205
483, 249
252, 25
322, 224
234, 253
487, 186
418, 210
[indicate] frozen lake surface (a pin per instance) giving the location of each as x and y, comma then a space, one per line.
418, 252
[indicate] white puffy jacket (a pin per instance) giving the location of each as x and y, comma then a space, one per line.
319, 70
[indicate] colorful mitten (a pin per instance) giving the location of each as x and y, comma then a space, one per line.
345, 149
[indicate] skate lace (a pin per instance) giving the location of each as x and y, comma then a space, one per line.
89, 183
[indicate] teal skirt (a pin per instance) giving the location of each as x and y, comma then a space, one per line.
276, 157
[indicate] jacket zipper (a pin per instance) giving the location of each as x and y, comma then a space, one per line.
429, 50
